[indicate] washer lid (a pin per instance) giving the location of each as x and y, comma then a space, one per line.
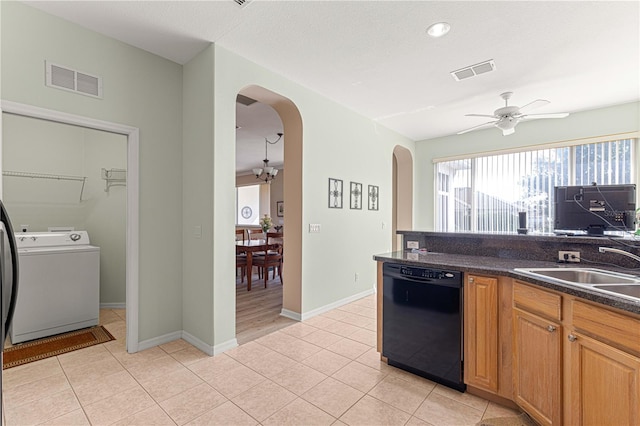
51, 239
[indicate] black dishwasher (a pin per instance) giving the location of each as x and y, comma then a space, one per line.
422, 322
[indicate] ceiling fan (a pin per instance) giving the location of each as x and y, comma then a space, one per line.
507, 117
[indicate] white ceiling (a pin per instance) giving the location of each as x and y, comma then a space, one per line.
375, 58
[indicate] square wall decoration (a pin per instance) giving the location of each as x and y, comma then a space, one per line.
373, 197
356, 195
335, 193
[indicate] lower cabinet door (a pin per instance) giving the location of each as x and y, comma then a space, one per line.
481, 332
537, 366
604, 384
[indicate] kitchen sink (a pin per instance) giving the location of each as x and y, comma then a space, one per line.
623, 285
630, 290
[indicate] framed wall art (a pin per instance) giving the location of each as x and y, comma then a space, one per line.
355, 196
374, 196
335, 193
280, 208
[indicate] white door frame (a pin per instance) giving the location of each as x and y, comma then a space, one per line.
132, 134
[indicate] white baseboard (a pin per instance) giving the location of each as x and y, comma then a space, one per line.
326, 308
225, 346
190, 338
290, 314
160, 340
113, 305
232, 343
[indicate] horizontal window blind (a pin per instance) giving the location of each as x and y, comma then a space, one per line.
485, 194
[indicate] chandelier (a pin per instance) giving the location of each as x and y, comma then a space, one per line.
267, 173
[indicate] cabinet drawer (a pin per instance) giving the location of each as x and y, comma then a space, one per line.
537, 301
607, 325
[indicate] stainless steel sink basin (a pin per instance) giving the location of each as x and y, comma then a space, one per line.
629, 290
581, 275
623, 285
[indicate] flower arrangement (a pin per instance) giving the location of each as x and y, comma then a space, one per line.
266, 223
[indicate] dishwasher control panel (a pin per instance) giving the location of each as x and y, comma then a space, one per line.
435, 274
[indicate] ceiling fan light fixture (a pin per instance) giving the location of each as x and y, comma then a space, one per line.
438, 29
507, 125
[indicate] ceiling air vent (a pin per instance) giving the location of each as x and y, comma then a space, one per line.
242, 3
474, 70
245, 100
65, 78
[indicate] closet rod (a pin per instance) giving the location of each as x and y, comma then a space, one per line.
43, 176
82, 179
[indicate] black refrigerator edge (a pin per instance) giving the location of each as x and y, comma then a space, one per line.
8, 279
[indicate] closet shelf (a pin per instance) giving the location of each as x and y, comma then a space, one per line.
82, 179
114, 177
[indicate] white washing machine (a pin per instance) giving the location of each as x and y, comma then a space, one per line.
59, 287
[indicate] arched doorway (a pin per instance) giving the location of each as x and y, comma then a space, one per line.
402, 212
292, 128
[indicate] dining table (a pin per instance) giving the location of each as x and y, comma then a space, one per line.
249, 247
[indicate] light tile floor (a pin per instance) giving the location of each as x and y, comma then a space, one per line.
323, 371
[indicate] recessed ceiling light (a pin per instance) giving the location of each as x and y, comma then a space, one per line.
438, 29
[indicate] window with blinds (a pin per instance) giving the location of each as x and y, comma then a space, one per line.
485, 194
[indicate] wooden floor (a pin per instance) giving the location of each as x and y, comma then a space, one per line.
258, 310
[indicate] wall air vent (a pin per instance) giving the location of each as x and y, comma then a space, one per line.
473, 70
65, 78
245, 100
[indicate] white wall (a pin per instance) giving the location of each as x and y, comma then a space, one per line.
606, 121
38, 146
140, 90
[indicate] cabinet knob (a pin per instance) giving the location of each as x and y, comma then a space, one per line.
471, 279
572, 338
551, 328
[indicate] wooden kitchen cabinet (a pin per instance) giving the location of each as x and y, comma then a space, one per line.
537, 360
487, 336
604, 367
481, 332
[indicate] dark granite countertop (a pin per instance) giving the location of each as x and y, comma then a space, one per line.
505, 267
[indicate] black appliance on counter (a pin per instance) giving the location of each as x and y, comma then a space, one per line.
422, 322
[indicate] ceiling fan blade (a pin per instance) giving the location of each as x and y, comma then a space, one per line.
534, 116
535, 104
477, 127
480, 115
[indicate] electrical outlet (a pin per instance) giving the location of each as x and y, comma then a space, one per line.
356, 277
569, 256
413, 244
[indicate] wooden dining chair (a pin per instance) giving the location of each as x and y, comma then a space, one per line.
274, 237
255, 234
239, 234
241, 263
272, 259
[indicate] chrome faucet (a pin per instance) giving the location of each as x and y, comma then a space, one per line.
622, 252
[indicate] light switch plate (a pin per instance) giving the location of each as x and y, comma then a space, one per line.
314, 228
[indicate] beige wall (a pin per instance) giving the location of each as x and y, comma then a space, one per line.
275, 190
